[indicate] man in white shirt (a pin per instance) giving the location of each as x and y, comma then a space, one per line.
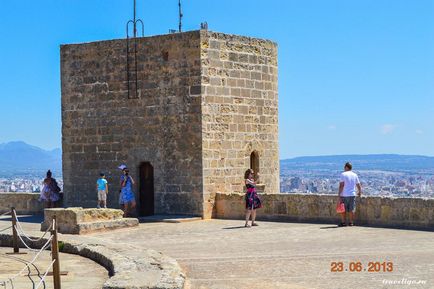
347, 193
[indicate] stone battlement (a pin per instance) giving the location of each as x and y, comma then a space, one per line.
371, 211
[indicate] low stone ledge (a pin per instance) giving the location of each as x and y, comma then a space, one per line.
150, 270
91, 227
84, 221
411, 213
24, 203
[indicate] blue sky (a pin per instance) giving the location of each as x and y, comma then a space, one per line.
354, 76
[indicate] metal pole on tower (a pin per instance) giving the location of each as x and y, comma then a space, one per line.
180, 16
135, 27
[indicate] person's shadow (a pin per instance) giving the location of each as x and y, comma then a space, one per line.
231, 228
329, 227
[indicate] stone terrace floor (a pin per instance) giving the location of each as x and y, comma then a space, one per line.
79, 270
222, 254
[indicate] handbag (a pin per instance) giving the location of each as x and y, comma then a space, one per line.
340, 207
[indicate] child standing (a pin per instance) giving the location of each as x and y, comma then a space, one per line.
102, 188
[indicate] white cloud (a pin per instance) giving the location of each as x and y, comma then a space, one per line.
419, 131
387, 128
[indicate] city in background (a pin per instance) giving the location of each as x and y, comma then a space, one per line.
23, 167
374, 183
380, 175
24, 184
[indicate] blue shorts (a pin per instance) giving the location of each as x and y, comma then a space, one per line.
350, 204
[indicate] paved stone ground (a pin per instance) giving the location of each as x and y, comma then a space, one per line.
82, 272
221, 254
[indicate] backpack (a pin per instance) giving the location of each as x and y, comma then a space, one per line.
55, 187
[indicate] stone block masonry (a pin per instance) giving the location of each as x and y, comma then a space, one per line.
206, 101
24, 203
239, 113
83, 221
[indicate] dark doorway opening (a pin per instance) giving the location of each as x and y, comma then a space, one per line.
254, 163
146, 206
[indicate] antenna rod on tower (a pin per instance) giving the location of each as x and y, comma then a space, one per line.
135, 27
180, 16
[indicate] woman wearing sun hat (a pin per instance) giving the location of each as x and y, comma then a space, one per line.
126, 196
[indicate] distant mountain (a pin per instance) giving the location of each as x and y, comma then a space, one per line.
21, 158
386, 162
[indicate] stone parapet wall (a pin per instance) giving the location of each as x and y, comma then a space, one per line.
372, 211
24, 203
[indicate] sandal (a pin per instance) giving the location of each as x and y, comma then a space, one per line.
342, 224
247, 226
351, 224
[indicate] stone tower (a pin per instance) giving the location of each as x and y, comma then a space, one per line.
205, 111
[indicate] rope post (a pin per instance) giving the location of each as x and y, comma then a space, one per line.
55, 255
14, 231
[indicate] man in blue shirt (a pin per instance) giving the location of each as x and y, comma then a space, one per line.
102, 188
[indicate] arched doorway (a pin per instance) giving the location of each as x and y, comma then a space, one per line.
254, 163
146, 206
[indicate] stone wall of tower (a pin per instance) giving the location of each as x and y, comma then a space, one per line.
239, 113
102, 128
205, 102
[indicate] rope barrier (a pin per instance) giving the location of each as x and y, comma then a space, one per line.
10, 280
45, 275
24, 262
20, 229
27, 246
24, 243
4, 214
5, 229
18, 232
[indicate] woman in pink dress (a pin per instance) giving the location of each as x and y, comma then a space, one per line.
252, 200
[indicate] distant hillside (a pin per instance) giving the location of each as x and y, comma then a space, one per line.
20, 158
386, 162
